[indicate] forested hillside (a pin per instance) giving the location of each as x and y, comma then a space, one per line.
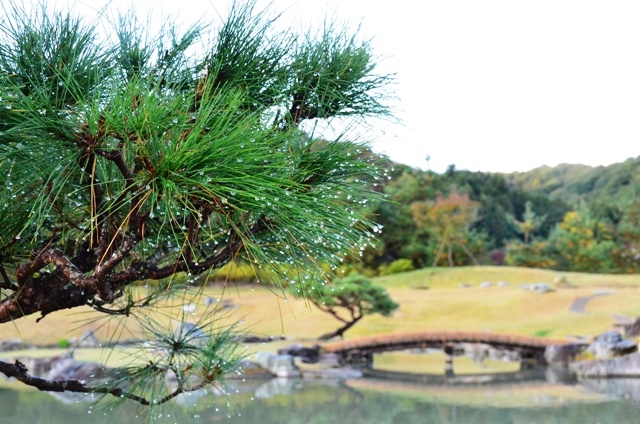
581, 182
570, 217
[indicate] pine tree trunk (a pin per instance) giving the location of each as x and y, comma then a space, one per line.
340, 331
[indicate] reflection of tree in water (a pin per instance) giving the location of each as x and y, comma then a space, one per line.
319, 404
32, 407
322, 404
352, 406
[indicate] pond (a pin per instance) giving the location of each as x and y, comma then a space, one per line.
547, 398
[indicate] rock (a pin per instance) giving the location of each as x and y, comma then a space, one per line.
309, 355
609, 337
476, 351
562, 354
485, 284
250, 370
560, 279
40, 367
464, 286
189, 309
616, 388
331, 360
622, 366
502, 284
190, 333
70, 369
63, 367
537, 287
512, 356
11, 345
256, 339
277, 387
332, 374
210, 300
630, 330
278, 365
560, 375
495, 354
610, 344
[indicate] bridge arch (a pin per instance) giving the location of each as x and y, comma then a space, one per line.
358, 349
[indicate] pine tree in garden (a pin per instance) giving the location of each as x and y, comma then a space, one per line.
129, 159
350, 300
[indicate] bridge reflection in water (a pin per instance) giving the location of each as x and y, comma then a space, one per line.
526, 374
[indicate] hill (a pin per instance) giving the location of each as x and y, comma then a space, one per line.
573, 182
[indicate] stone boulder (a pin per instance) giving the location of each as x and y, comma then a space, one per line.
563, 354
560, 279
632, 330
512, 356
308, 355
332, 374
560, 375
476, 351
277, 387
63, 367
12, 344
256, 339
278, 365
70, 369
332, 360
610, 344
40, 367
615, 388
537, 287
622, 366
191, 333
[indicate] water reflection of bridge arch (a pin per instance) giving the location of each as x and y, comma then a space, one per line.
524, 376
362, 349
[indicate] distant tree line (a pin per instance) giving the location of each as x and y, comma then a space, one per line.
462, 218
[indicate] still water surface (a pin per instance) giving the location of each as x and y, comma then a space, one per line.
367, 400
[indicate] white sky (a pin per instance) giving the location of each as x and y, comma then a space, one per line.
490, 85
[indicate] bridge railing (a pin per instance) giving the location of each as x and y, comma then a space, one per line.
423, 339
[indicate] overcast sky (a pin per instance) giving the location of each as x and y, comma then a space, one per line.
490, 85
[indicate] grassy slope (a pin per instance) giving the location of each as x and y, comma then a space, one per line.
443, 306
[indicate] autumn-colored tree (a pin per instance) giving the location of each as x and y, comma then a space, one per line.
628, 260
448, 220
584, 243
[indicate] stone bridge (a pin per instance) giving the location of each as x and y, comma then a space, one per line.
361, 350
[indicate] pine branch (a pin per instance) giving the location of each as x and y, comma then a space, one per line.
20, 372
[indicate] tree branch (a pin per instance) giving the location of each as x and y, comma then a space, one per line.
20, 372
330, 311
7, 281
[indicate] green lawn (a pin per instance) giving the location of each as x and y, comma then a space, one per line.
427, 302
